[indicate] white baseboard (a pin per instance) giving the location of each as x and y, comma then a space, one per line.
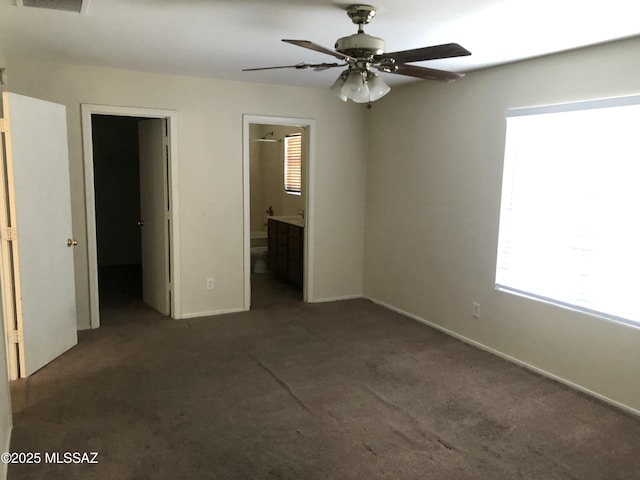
526, 365
4, 467
186, 316
336, 299
211, 313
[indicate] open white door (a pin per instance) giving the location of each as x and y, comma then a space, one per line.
37, 251
154, 212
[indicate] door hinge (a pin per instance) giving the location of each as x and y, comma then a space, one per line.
3, 125
15, 336
8, 234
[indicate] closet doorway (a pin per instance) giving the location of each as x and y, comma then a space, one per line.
131, 209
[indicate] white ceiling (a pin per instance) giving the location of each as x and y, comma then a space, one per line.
217, 38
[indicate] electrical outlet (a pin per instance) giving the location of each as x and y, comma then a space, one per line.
210, 283
475, 312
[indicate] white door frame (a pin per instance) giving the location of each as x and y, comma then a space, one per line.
92, 244
308, 294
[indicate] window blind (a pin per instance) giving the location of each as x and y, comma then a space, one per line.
569, 221
293, 164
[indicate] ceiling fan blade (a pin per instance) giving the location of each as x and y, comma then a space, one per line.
435, 52
300, 66
424, 73
319, 48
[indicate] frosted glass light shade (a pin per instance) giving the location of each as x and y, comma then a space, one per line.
336, 88
353, 84
363, 94
377, 87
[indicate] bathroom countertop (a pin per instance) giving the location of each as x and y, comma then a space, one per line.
291, 219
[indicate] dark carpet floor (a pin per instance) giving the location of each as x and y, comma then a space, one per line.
342, 390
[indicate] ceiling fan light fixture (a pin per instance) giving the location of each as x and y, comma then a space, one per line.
377, 87
359, 86
361, 52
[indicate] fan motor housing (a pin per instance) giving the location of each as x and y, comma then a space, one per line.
360, 45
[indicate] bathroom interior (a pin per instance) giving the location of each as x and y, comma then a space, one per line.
277, 212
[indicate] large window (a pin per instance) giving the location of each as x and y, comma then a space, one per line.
570, 213
293, 164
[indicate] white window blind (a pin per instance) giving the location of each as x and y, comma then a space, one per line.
570, 212
293, 164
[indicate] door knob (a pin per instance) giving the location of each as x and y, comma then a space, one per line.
141, 223
71, 242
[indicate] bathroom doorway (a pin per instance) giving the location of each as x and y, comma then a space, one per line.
278, 212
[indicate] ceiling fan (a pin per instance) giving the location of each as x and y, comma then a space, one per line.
361, 52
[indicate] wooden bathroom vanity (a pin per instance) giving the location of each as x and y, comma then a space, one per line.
285, 256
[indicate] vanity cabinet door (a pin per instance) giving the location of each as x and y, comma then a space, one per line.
272, 244
283, 250
296, 242
285, 257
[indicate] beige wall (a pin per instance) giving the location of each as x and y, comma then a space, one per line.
433, 198
210, 172
3, 64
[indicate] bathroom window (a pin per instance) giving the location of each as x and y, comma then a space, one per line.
569, 232
293, 164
